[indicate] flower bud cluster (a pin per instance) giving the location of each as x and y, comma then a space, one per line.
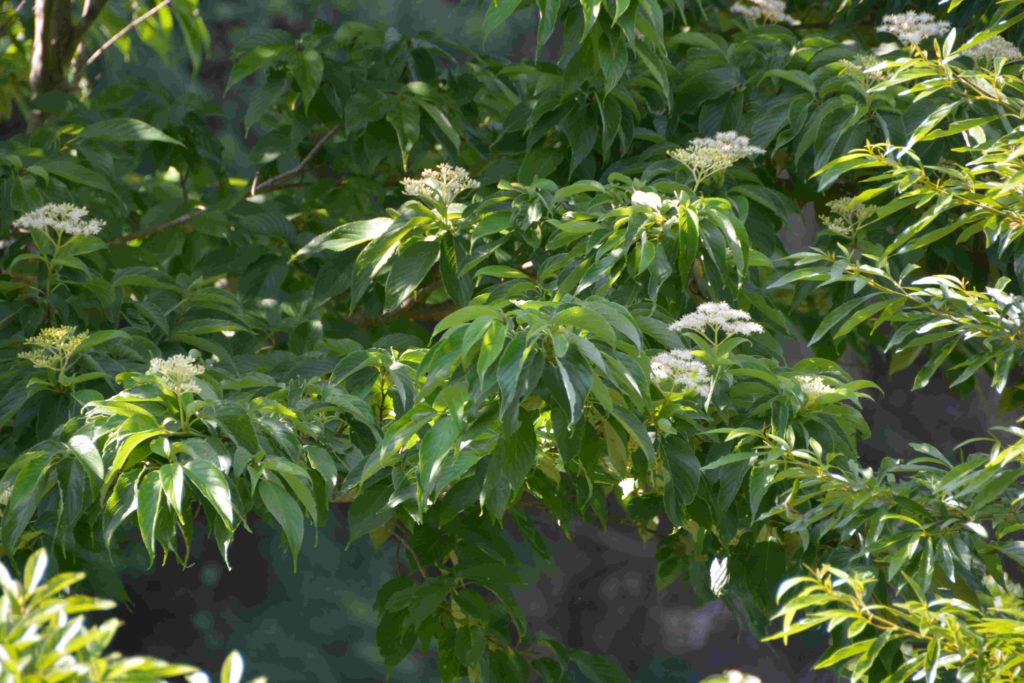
443, 183
720, 317
847, 215
63, 218
861, 68
913, 27
178, 373
771, 11
705, 157
993, 50
682, 369
53, 346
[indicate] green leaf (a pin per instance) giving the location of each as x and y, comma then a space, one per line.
172, 479
796, 77
27, 491
130, 443
213, 486
597, 668
125, 130
498, 13
405, 119
346, 236
408, 268
233, 668
309, 72
78, 174
285, 511
86, 452
437, 443
684, 482
508, 466
150, 494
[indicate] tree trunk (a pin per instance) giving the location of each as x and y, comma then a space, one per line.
56, 40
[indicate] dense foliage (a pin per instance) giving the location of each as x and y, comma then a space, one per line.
457, 293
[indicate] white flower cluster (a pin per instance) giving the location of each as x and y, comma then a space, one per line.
53, 346
683, 369
179, 372
814, 386
708, 156
993, 50
65, 218
719, 316
846, 216
913, 27
442, 183
772, 11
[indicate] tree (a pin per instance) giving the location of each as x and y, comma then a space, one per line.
456, 293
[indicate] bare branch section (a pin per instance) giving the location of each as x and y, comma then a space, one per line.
56, 41
270, 185
129, 27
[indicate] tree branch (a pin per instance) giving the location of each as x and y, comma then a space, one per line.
130, 26
270, 185
273, 183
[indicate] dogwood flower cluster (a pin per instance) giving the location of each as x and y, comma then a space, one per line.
442, 183
178, 373
772, 11
813, 386
913, 27
705, 157
63, 218
846, 216
993, 50
720, 317
53, 346
682, 369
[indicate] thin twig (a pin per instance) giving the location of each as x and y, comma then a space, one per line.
184, 218
127, 29
272, 183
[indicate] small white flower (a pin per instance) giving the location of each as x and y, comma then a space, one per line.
813, 386
682, 369
64, 218
705, 157
772, 11
913, 27
719, 575
719, 316
627, 486
179, 372
648, 199
993, 50
734, 676
442, 183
